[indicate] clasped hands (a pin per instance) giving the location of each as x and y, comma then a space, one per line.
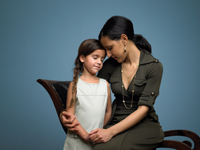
97, 136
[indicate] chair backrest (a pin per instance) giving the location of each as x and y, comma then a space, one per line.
58, 93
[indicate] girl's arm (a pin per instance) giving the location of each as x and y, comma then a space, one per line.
80, 130
109, 105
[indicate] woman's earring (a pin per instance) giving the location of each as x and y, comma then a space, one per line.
124, 48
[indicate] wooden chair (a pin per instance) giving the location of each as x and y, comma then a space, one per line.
58, 92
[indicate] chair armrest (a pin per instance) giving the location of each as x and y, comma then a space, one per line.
174, 144
181, 145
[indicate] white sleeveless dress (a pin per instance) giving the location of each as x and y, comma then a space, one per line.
89, 110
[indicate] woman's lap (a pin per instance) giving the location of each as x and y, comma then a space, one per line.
141, 137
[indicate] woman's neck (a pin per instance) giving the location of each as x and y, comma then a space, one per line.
133, 54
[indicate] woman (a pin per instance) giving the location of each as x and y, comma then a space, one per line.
135, 77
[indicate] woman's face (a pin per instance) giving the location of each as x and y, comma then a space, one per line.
114, 48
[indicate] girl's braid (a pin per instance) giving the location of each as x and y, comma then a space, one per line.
77, 70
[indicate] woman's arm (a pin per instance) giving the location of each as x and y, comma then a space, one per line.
71, 110
129, 121
104, 135
109, 105
146, 101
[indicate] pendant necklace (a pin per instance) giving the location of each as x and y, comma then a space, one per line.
124, 87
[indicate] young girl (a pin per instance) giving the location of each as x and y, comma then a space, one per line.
88, 96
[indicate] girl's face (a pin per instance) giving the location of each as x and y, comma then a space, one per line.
93, 62
114, 48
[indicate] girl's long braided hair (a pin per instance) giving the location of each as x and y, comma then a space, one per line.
86, 48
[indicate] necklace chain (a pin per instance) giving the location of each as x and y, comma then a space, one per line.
132, 89
131, 74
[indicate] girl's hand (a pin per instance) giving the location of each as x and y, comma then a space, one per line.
100, 135
68, 121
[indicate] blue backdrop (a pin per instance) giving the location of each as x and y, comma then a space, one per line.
40, 38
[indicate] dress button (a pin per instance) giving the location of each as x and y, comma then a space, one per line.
152, 94
156, 60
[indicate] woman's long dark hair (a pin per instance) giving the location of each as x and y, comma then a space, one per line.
118, 25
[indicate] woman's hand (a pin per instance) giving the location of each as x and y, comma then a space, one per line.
100, 135
67, 120
87, 138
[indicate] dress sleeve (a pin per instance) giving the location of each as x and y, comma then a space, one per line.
108, 68
151, 90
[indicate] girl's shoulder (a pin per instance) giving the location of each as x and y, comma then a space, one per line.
104, 82
101, 80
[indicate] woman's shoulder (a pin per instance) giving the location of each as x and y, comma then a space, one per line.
108, 68
110, 62
150, 63
147, 58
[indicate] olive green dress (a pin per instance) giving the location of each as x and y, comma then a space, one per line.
147, 134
